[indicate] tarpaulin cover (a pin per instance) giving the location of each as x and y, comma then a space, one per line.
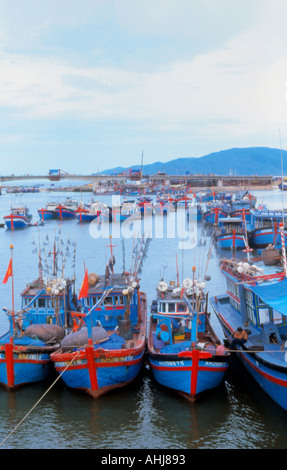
275, 295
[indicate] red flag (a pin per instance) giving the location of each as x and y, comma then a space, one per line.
8, 272
85, 287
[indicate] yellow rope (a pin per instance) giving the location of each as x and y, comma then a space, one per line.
16, 427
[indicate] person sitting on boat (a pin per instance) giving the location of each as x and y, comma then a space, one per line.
209, 347
240, 337
220, 348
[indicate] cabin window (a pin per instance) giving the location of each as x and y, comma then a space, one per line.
41, 303
264, 315
94, 300
171, 308
119, 300
181, 307
249, 306
108, 301
234, 304
233, 289
163, 307
277, 317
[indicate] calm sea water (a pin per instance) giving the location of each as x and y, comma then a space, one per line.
237, 415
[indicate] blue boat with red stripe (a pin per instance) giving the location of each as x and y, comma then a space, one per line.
35, 331
19, 217
264, 228
231, 234
106, 350
185, 355
257, 301
213, 214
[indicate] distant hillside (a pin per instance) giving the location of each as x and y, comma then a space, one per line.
237, 161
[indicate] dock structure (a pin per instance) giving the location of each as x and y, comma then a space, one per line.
203, 181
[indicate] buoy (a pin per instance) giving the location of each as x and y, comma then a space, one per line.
162, 286
187, 283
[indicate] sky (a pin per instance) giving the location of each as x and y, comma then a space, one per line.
88, 85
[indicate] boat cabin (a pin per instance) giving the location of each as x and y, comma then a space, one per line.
267, 219
117, 304
44, 305
261, 305
227, 225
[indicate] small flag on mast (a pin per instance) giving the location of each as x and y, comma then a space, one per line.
85, 287
8, 272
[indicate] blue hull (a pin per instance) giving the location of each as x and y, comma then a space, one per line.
261, 238
212, 218
47, 215
65, 214
23, 367
176, 374
270, 376
20, 222
228, 242
86, 217
109, 370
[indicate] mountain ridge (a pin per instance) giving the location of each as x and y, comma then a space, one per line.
260, 161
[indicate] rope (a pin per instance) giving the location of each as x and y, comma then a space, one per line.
40, 399
250, 351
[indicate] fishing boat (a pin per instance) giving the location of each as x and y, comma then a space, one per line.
108, 350
264, 228
181, 341
213, 214
35, 331
124, 211
145, 205
230, 234
242, 213
19, 217
244, 199
96, 210
48, 212
256, 301
163, 205
204, 196
67, 210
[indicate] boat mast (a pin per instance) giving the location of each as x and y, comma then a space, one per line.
13, 306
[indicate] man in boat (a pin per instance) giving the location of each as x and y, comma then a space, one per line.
240, 336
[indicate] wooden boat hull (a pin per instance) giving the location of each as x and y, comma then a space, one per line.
98, 371
20, 366
46, 214
212, 216
270, 376
235, 242
262, 237
65, 213
86, 217
190, 377
14, 222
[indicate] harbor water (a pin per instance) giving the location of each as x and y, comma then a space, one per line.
48, 415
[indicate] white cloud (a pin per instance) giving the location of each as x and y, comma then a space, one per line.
235, 90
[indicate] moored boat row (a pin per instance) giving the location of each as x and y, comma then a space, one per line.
98, 340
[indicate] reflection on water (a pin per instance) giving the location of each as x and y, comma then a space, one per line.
144, 415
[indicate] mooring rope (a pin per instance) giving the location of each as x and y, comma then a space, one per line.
40, 399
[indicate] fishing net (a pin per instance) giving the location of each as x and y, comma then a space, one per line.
45, 332
80, 338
